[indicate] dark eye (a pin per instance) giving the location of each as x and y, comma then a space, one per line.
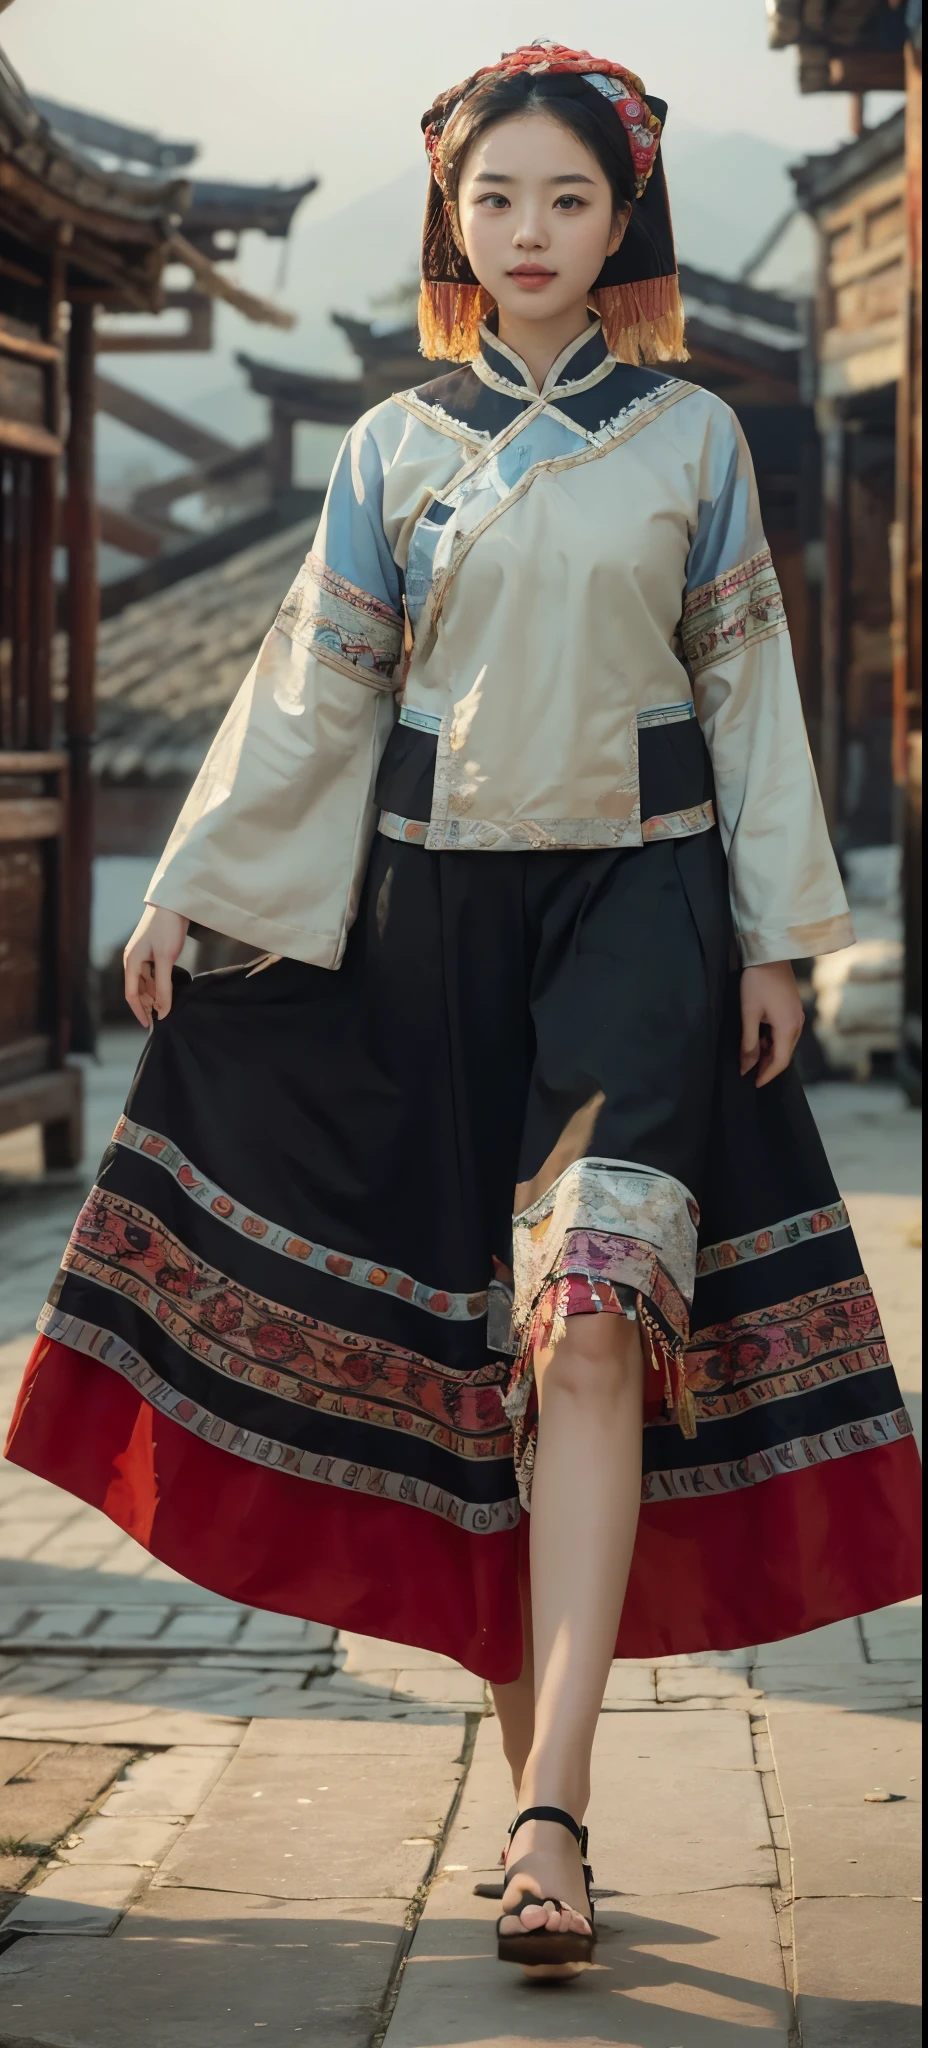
568, 202
495, 199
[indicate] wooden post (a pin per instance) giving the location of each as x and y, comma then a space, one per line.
834, 521
280, 452
907, 594
45, 519
83, 613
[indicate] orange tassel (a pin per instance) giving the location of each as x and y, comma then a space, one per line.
643, 322
449, 320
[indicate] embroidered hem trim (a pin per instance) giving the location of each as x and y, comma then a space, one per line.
776, 1237
574, 1291
275, 1237
479, 1519
826, 1447
420, 721
476, 835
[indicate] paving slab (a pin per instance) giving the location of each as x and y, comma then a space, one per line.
859, 1977
703, 1971
61, 1624
173, 1783
264, 1631
101, 1892
454, 1688
698, 1682
134, 1838
201, 1631
699, 1971
839, 1643
893, 1631
308, 1741
143, 1727
677, 1804
55, 1787
368, 1653
14, 1871
629, 1683
16, 1758
131, 1624
305, 1827
826, 1761
204, 1970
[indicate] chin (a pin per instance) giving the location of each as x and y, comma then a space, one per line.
540, 305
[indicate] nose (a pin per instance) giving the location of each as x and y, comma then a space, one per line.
530, 231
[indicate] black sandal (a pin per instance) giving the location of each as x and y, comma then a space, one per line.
534, 1946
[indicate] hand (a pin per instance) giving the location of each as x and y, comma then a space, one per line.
155, 944
769, 997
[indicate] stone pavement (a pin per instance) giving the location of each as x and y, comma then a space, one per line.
164, 1752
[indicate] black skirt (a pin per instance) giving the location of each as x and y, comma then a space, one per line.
290, 1344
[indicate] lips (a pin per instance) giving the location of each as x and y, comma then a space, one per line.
532, 273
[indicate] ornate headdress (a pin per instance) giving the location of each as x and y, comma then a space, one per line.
637, 292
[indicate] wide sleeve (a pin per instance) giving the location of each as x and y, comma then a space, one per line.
787, 898
272, 842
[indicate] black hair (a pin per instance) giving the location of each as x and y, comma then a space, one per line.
579, 107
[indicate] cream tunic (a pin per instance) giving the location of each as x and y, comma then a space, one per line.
533, 575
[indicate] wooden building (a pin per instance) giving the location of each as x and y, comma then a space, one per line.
68, 236
76, 234
866, 376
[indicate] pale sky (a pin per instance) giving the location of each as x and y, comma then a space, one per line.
273, 89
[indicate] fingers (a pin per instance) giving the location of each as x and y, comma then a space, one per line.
777, 1054
751, 1017
139, 986
163, 988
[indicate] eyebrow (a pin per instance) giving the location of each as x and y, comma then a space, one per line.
502, 178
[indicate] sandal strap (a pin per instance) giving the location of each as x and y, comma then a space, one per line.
555, 1813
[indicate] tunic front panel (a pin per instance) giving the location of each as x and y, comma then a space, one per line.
534, 572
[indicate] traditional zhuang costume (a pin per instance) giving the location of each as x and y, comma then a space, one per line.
517, 783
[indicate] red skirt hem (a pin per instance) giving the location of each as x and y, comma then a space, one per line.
716, 1573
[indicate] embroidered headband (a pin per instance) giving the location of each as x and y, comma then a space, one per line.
636, 294
626, 92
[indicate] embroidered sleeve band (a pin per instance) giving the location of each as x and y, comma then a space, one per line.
733, 612
340, 624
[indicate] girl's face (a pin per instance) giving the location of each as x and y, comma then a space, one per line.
536, 216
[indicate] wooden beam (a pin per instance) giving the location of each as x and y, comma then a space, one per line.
83, 613
30, 817
196, 337
20, 274
48, 763
867, 71
213, 281
119, 530
157, 422
28, 440
152, 501
24, 345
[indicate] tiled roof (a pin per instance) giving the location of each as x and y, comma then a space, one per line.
169, 667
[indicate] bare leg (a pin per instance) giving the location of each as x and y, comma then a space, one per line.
585, 1498
515, 1702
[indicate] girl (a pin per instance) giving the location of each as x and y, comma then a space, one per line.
490, 1185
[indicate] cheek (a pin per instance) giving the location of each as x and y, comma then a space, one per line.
586, 241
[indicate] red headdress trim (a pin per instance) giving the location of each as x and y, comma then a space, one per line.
622, 87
